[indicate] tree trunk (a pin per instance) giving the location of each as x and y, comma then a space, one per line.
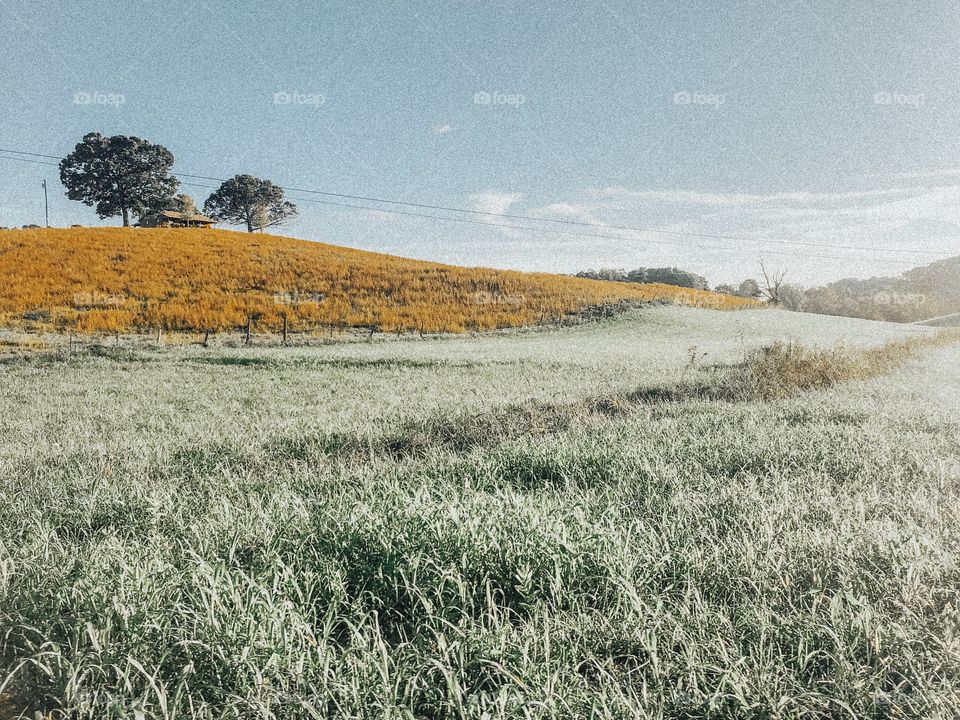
126, 217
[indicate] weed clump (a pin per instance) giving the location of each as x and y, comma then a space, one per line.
784, 369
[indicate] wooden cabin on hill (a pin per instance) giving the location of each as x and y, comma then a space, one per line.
175, 218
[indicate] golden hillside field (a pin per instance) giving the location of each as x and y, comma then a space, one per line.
127, 279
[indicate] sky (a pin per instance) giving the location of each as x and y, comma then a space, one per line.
819, 135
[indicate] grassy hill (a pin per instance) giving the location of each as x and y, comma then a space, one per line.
921, 293
122, 279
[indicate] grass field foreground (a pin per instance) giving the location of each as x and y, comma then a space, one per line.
186, 533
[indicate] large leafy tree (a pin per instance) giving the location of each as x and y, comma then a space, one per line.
118, 175
248, 200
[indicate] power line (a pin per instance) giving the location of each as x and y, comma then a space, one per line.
484, 223
444, 208
555, 231
35, 162
32, 154
571, 233
580, 223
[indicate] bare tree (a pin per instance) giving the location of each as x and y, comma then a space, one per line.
772, 286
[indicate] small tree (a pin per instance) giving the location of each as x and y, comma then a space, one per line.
247, 200
118, 175
183, 205
186, 207
749, 288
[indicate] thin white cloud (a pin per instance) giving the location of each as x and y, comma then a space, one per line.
443, 129
863, 231
580, 212
738, 199
494, 201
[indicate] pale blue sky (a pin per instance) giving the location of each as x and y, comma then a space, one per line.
826, 123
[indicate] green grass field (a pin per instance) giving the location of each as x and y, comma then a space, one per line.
480, 527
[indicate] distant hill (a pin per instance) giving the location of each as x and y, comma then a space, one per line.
922, 293
123, 279
952, 320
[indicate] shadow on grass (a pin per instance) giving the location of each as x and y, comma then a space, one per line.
335, 363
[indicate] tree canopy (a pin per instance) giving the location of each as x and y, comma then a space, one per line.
118, 175
248, 200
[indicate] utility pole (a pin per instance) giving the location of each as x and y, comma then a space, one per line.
46, 203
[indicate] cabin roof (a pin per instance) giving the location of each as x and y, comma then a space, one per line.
177, 215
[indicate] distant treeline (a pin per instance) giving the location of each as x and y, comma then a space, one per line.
666, 275
922, 293
918, 294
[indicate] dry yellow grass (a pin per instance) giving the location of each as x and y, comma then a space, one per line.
124, 279
783, 369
